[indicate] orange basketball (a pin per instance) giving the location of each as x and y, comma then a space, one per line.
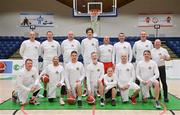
71, 100
45, 78
2, 66
90, 99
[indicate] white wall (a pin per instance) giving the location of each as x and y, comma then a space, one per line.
126, 21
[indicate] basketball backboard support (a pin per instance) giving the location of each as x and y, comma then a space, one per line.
107, 8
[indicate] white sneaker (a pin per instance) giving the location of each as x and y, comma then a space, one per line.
61, 101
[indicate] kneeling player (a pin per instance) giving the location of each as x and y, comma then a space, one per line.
147, 73
74, 75
125, 78
55, 71
95, 73
27, 82
110, 86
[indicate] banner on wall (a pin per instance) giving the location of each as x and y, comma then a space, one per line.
10, 67
172, 69
149, 20
37, 19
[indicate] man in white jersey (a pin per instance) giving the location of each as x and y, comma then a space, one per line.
74, 75
122, 47
106, 54
140, 46
56, 74
30, 49
147, 72
49, 49
125, 77
27, 82
95, 73
69, 45
160, 55
88, 45
110, 84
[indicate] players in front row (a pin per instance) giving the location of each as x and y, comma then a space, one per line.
106, 84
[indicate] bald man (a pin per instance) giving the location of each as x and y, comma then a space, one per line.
69, 45
106, 54
160, 55
30, 49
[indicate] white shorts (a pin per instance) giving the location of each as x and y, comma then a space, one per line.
125, 93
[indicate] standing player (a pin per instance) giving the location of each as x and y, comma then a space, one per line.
74, 76
122, 47
160, 55
140, 46
88, 45
125, 77
110, 84
49, 49
147, 73
68, 46
55, 71
106, 54
27, 82
95, 73
30, 49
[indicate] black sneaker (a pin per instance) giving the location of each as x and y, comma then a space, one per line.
14, 96
79, 102
84, 93
45, 93
157, 105
118, 93
102, 102
166, 100
113, 102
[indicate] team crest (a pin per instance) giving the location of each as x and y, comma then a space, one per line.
109, 50
33, 76
98, 70
127, 69
146, 45
149, 67
92, 44
57, 72
112, 80
77, 68
52, 46
36, 47
124, 47
72, 45
160, 54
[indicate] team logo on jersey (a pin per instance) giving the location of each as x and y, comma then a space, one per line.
98, 70
112, 80
160, 54
77, 68
127, 69
146, 45
92, 44
33, 76
72, 45
149, 67
36, 47
57, 72
124, 47
109, 50
52, 46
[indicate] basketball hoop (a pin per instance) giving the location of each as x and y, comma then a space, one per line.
94, 13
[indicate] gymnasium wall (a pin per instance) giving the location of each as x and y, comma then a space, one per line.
126, 21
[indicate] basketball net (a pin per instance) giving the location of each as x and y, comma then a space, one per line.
94, 13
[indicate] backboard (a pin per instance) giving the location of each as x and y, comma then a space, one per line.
107, 8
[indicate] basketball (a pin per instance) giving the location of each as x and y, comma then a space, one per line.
71, 100
2, 66
90, 99
45, 78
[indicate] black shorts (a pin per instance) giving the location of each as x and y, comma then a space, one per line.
109, 93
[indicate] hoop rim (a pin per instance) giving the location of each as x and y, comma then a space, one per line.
94, 12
